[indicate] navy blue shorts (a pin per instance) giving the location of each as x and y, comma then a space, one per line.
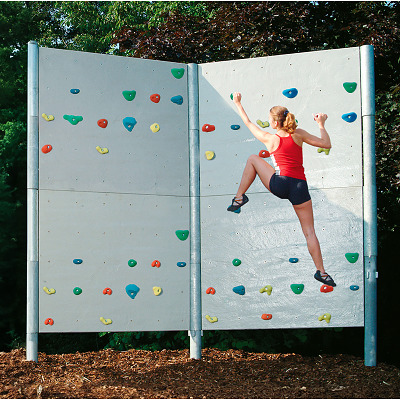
285, 187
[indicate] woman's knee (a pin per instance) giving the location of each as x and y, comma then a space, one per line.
253, 158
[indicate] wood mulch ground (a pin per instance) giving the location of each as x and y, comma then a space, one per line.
172, 374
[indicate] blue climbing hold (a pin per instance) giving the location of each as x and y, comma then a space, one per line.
235, 127
129, 123
349, 117
239, 290
354, 287
290, 93
237, 211
78, 261
181, 264
293, 260
132, 290
177, 100
74, 91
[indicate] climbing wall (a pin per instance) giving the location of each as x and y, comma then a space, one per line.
114, 185
256, 269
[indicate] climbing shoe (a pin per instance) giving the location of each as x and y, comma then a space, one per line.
237, 203
324, 278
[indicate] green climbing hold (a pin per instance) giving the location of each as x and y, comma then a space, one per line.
182, 235
350, 87
73, 119
352, 257
236, 262
77, 291
132, 263
178, 72
297, 288
129, 94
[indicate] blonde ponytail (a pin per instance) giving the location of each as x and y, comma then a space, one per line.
285, 118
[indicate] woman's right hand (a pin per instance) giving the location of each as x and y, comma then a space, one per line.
237, 97
320, 118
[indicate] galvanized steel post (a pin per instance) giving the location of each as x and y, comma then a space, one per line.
370, 204
195, 332
32, 317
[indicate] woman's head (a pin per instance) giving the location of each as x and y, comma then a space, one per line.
285, 120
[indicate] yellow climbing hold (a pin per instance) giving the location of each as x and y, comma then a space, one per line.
327, 317
211, 319
157, 290
266, 289
155, 127
326, 151
263, 124
210, 155
105, 321
102, 150
48, 117
49, 291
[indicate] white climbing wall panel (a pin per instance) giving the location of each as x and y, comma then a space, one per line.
266, 234
107, 209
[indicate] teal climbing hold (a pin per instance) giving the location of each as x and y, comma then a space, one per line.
73, 119
297, 288
350, 87
132, 263
239, 290
74, 91
129, 94
293, 260
237, 211
178, 72
177, 100
77, 261
132, 290
236, 262
129, 123
235, 127
181, 264
352, 257
182, 234
349, 117
354, 287
290, 93
77, 291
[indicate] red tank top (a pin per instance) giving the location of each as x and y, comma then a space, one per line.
288, 158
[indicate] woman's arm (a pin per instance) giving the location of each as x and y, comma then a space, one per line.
324, 141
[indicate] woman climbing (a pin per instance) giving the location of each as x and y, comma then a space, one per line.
287, 179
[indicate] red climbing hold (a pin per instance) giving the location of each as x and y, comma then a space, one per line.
47, 148
264, 154
326, 289
208, 128
156, 263
155, 98
266, 316
49, 321
108, 291
102, 123
210, 290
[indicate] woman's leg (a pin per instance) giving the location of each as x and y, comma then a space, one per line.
305, 214
255, 166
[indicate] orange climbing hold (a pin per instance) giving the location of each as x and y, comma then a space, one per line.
49, 321
208, 128
155, 98
210, 290
156, 263
47, 148
102, 123
326, 289
108, 291
264, 154
266, 316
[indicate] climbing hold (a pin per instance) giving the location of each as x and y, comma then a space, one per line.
290, 93
326, 289
156, 263
129, 123
132, 263
78, 261
102, 150
266, 289
326, 151
350, 86
132, 290
236, 262
211, 319
73, 119
208, 128
327, 317
75, 91
297, 288
239, 290
266, 317
293, 260
210, 290
235, 127
155, 98
106, 321
47, 148
264, 154
102, 123
108, 291
182, 234
210, 155
129, 94
178, 72
48, 117
49, 291
181, 264
352, 257
237, 211
49, 321
262, 124
155, 127
354, 287
349, 117
157, 290
177, 100
77, 291
231, 96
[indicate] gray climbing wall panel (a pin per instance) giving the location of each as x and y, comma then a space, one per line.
107, 209
266, 234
